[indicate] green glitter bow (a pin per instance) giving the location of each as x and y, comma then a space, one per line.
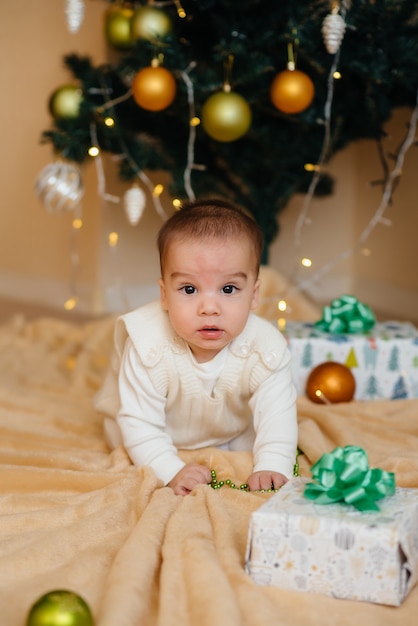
343, 475
346, 315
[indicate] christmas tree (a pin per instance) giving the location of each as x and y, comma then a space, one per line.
307, 78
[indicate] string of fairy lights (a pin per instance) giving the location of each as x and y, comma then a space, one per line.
378, 217
134, 199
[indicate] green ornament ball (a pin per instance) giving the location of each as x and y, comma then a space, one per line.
226, 116
65, 101
60, 608
117, 27
150, 23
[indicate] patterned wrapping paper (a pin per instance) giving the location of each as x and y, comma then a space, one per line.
334, 549
384, 360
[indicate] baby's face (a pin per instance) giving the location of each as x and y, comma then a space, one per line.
208, 289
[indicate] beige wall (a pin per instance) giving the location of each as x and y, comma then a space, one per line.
386, 277
37, 249
35, 246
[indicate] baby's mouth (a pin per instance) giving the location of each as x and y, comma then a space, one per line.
210, 332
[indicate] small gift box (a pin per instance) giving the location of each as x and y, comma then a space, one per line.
383, 357
364, 551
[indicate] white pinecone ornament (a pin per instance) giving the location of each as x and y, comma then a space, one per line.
333, 29
74, 11
134, 203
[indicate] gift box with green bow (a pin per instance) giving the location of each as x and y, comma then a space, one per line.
348, 532
382, 356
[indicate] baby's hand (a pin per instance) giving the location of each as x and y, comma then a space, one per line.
187, 478
266, 480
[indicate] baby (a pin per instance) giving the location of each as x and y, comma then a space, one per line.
197, 368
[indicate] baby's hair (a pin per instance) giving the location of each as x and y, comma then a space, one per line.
210, 219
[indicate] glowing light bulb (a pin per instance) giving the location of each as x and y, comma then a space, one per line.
180, 11
337, 75
158, 190
281, 323
77, 223
282, 305
71, 303
93, 151
109, 121
306, 262
311, 167
177, 203
113, 239
195, 121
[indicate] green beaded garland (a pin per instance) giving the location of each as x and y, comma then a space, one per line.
244, 487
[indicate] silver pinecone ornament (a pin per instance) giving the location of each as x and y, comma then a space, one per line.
134, 204
74, 11
333, 29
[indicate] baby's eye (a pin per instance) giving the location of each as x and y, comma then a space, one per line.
229, 289
188, 289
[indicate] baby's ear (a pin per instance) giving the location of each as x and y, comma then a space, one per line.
256, 294
163, 298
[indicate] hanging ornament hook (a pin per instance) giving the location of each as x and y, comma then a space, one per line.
228, 73
291, 59
292, 47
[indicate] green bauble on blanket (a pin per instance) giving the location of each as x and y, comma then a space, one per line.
59, 608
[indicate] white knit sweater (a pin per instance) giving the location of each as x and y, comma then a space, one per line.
165, 401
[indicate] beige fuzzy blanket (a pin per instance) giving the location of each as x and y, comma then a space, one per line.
74, 515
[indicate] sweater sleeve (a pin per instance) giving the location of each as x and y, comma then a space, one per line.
273, 406
142, 420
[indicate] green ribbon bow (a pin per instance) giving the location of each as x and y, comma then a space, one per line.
346, 315
343, 475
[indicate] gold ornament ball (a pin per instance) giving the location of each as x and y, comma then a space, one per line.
292, 91
59, 608
330, 382
154, 88
65, 101
150, 23
226, 116
117, 27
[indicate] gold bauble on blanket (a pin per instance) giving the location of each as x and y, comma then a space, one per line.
330, 382
59, 608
